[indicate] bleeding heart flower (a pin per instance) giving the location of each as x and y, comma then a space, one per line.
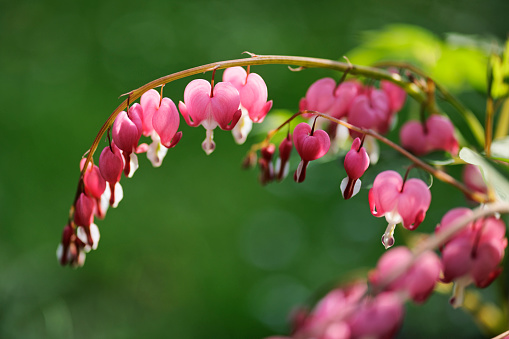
253, 100
282, 163
400, 202
161, 121
325, 96
311, 145
356, 163
474, 254
210, 108
417, 281
436, 134
370, 110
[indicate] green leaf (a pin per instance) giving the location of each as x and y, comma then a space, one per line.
500, 149
492, 177
499, 66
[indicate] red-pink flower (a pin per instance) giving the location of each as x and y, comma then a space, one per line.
282, 162
161, 121
126, 132
377, 318
253, 99
473, 179
436, 134
311, 145
210, 108
474, 254
400, 202
265, 163
370, 110
417, 280
356, 163
396, 94
325, 96
111, 165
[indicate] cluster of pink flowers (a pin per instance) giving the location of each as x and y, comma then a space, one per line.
474, 254
347, 313
471, 256
240, 100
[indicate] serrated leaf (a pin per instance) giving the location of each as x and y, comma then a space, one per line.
492, 177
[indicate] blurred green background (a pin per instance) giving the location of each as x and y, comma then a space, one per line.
197, 248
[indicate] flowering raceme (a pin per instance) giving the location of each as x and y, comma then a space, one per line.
365, 111
474, 254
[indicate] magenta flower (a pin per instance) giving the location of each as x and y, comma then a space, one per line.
436, 134
474, 254
400, 202
265, 163
282, 162
311, 145
111, 165
325, 96
71, 249
253, 100
329, 319
356, 163
396, 94
210, 108
94, 186
378, 318
126, 133
161, 121
418, 280
473, 179
370, 110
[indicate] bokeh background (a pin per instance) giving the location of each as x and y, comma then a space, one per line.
197, 248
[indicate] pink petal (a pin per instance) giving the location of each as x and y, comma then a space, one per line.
236, 76
320, 95
386, 190
225, 103
149, 102
413, 202
166, 121
413, 138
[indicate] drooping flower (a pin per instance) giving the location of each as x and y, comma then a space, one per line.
161, 121
126, 133
356, 163
111, 165
400, 202
253, 100
210, 108
473, 179
436, 134
370, 110
311, 145
71, 249
282, 162
325, 96
379, 317
396, 94
474, 254
418, 279
265, 163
